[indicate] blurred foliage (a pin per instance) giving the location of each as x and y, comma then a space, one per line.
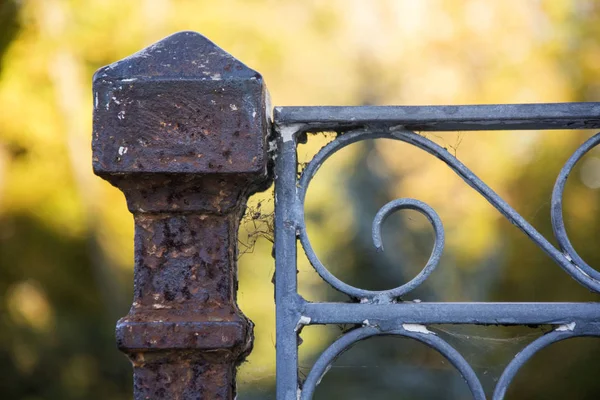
66, 236
9, 22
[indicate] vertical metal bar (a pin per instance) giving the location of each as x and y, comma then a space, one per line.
286, 297
181, 128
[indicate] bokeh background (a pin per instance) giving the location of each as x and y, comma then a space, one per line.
66, 248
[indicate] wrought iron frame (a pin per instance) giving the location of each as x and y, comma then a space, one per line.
378, 311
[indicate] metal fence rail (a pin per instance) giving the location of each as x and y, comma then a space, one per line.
185, 131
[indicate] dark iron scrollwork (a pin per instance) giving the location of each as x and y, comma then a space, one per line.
566, 257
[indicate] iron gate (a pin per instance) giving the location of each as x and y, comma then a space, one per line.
381, 312
186, 132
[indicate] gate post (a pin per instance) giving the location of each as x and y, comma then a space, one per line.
181, 128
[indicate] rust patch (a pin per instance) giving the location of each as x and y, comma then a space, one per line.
181, 129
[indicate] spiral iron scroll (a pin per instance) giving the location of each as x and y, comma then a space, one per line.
567, 258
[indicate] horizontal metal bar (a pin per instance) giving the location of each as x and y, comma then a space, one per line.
446, 118
452, 313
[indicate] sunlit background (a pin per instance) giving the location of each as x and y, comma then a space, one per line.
66, 238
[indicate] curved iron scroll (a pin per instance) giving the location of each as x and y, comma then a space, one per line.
559, 334
420, 333
567, 259
416, 332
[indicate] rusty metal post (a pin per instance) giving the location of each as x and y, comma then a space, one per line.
181, 128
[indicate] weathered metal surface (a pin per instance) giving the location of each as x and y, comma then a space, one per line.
445, 118
181, 106
181, 129
376, 313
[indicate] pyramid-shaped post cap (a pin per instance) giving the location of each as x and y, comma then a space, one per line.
181, 106
183, 55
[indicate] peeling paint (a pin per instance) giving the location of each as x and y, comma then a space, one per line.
287, 132
233, 107
566, 327
396, 128
323, 375
122, 150
417, 328
268, 108
272, 146
121, 114
301, 322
